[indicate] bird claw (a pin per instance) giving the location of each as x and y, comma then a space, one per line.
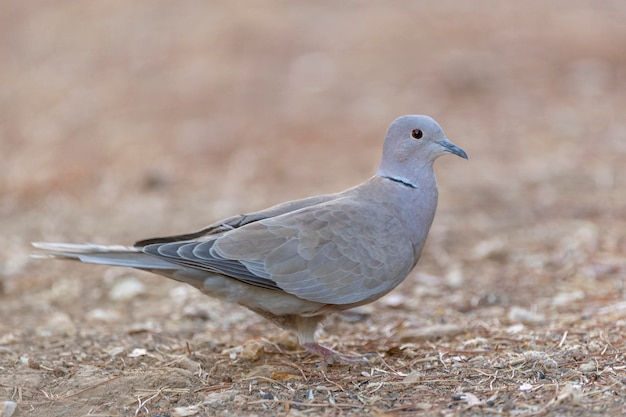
332, 356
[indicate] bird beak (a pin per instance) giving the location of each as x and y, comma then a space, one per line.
452, 148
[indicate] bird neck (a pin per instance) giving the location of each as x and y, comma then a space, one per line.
402, 181
416, 176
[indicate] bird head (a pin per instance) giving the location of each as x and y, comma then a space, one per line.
413, 142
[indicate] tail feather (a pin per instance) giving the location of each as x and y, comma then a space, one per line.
128, 256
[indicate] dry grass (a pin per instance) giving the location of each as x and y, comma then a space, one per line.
121, 121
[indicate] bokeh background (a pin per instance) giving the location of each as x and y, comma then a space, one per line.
125, 120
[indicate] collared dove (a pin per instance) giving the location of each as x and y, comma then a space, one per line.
298, 261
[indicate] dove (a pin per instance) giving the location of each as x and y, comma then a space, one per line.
296, 262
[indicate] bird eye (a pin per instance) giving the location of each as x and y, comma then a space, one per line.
417, 133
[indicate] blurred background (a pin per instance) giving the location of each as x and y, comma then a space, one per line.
125, 120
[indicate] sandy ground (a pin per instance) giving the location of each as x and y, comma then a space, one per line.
125, 120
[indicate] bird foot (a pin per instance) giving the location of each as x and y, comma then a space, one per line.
331, 356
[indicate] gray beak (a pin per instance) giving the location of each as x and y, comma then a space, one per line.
452, 148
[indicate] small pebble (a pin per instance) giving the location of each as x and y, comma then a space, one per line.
252, 350
588, 366
126, 289
7, 408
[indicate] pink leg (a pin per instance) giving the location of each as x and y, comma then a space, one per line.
333, 356
306, 327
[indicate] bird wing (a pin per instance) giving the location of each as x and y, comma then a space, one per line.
341, 251
235, 222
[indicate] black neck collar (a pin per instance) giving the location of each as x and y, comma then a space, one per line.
400, 181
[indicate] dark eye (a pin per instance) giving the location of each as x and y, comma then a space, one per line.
417, 133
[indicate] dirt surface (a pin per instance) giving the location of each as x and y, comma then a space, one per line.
126, 120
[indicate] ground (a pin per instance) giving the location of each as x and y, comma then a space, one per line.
126, 120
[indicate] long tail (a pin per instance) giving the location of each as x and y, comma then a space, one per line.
105, 255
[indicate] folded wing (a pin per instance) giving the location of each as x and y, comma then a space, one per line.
336, 252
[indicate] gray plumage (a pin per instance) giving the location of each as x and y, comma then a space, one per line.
298, 261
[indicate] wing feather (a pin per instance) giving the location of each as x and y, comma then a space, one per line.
331, 254
339, 251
